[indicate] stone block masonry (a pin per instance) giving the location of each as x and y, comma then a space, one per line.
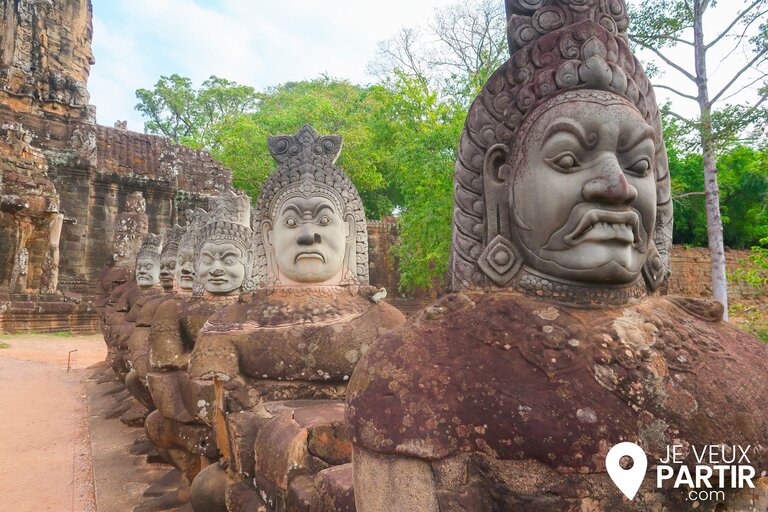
63, 178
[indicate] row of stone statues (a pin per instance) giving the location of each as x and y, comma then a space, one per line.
556, 344
246, 309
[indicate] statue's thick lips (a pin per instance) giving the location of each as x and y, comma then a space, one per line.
620, 223
310, 255
218, 280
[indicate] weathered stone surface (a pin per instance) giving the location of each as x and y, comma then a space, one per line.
63, 179
334, 490
558, 342
301, 334
651, 372
315, 335
242, 497
208, 490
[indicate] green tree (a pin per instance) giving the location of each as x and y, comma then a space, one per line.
190, 116
662, 24
331, 107
420, 131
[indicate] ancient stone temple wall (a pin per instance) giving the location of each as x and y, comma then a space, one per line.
64, 179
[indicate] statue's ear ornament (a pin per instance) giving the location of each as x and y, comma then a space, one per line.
501, 261
653, 270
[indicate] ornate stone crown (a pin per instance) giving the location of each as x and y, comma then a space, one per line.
196, 221
307, 169
230, 221
172, 239
151, 248
558, 47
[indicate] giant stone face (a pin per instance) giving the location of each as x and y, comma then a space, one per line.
147, 272
584, 195
309, 240
185, 268
222, 267
167, 272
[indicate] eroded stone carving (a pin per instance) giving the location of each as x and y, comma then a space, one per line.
216, 271
298, 337
168, 258
558, 342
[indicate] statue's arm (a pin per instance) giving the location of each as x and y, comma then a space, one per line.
384, 483
166, 345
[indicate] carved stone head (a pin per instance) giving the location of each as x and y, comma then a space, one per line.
312, 225
186, 257
168, 257
148, 262
562, 178
225, 248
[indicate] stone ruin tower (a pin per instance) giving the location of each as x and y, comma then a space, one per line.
65, 179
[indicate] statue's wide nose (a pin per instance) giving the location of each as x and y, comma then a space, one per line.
611, 185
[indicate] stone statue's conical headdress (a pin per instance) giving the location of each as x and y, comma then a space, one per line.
196, 221
561, 50
151, 248
307, 167
172, 238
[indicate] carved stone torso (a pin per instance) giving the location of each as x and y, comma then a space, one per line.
310, 335
514, 378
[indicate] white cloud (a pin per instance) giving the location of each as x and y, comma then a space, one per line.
260, 43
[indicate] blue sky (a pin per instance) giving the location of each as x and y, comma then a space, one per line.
266, 42
255, 42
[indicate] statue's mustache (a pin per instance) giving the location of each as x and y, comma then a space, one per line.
585, 216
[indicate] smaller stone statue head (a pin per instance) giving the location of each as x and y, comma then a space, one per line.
312, 223
186, 255
148, 262
225, 249
168, 257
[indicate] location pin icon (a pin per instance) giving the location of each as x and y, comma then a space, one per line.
627, 480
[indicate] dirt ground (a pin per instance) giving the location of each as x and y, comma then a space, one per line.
44, 436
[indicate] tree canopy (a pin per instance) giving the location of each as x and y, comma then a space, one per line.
401, 133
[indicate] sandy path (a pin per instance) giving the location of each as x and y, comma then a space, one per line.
44, 440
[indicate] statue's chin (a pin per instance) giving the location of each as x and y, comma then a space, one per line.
310, 272
593, 263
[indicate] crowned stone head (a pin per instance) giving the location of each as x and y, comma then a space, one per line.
225, 247
186, 257
562, 181
148, 261
168, 257
312, 225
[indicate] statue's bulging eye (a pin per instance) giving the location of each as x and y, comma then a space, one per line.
641, 167
325, 220
290, 222
565, 162
230, 261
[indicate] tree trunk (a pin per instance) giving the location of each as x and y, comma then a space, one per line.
711, 188
715, 230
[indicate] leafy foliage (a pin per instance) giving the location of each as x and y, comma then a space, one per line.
754, 269
193, 117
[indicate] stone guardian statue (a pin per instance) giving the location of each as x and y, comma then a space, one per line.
558, 342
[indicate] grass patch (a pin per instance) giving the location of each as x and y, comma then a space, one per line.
63, 334
4, 345
751, 318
